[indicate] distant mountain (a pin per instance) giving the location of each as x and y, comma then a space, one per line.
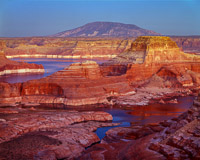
106, 29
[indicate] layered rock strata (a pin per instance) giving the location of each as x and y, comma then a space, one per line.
151, 62
161, 57
9, 67
29, 134
156, 67
45, 47
189, 44
65, 47
79, 84
157, 56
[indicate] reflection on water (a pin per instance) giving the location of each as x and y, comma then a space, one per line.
51, 65
141, 115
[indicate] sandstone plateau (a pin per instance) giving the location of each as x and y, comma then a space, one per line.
107, 48
150, 62
9, 67
65, 47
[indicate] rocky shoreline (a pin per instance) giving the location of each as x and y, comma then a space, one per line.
177, 138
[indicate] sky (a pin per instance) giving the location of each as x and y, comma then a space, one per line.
23, 18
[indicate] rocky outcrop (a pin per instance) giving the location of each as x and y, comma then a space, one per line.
79, 84
155, 66
153, 49
160, 56
177, 138
59, 134
106, 29
9, 67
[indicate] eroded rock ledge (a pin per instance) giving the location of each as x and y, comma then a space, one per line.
31, 134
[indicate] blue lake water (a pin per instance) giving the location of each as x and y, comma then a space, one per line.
141, 115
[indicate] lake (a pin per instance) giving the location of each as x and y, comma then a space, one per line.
141, 115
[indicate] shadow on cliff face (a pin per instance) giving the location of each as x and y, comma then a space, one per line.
42, 89
114, 69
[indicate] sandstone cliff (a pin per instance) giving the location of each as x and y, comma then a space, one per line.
81, 47
8, 67
79, 84
66, 47
160, 56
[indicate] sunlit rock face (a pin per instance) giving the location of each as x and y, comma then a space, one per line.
81, 47
88, 69
9, 67
79, 84
66, 47
153, 49
160, 56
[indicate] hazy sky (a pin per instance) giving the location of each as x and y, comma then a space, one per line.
20, 18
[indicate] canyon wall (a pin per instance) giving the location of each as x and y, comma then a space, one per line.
189, 44
161, 57
66, 47
9, 67
107, 48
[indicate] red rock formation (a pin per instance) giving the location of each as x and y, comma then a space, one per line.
79, 84
160, 56
8, 67
61, 134
86, 83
